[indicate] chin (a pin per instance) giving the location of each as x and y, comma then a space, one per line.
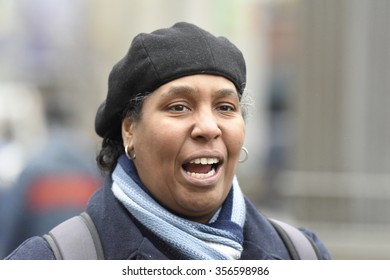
195, 209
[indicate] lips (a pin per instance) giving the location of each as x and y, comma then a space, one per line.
202, 167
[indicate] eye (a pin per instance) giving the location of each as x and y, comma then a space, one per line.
178, 108
226, 108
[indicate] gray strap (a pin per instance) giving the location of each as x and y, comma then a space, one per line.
76, 239
304, 249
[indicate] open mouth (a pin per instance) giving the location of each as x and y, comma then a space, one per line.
201, 168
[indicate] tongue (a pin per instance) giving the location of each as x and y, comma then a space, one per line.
197, 168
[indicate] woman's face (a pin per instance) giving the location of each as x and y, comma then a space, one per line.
187, 143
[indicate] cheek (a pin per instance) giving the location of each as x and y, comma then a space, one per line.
234, 140
157, 143
155, 153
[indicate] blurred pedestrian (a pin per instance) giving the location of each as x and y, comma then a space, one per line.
55, 184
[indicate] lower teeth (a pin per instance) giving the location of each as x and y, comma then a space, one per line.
202, 175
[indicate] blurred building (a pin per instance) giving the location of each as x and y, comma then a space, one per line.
338, 181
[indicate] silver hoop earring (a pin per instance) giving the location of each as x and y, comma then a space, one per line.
128, 154
246, 155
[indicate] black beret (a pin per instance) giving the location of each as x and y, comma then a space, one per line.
159, 57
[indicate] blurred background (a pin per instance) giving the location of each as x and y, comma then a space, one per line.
318, 133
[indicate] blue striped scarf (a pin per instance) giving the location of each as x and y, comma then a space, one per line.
193, 240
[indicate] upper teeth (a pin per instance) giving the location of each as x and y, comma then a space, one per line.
205, 160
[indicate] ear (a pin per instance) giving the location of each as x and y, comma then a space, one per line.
128, 133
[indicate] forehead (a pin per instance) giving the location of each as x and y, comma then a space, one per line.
199, 84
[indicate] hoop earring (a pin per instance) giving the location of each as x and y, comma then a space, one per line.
128, 154
246, 155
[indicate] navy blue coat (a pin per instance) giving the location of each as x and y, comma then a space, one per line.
124, 238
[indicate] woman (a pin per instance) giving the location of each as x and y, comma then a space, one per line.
173, 132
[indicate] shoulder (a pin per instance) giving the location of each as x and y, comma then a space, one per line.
316, 240
259, 230
119, 233
261, 240
34, 248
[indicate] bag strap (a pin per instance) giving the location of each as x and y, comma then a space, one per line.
75, 239
298, 244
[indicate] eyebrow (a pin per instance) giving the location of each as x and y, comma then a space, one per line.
176, 90
227, 92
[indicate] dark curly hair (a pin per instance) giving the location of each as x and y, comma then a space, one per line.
112, 147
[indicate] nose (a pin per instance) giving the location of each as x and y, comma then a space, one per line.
206, 126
